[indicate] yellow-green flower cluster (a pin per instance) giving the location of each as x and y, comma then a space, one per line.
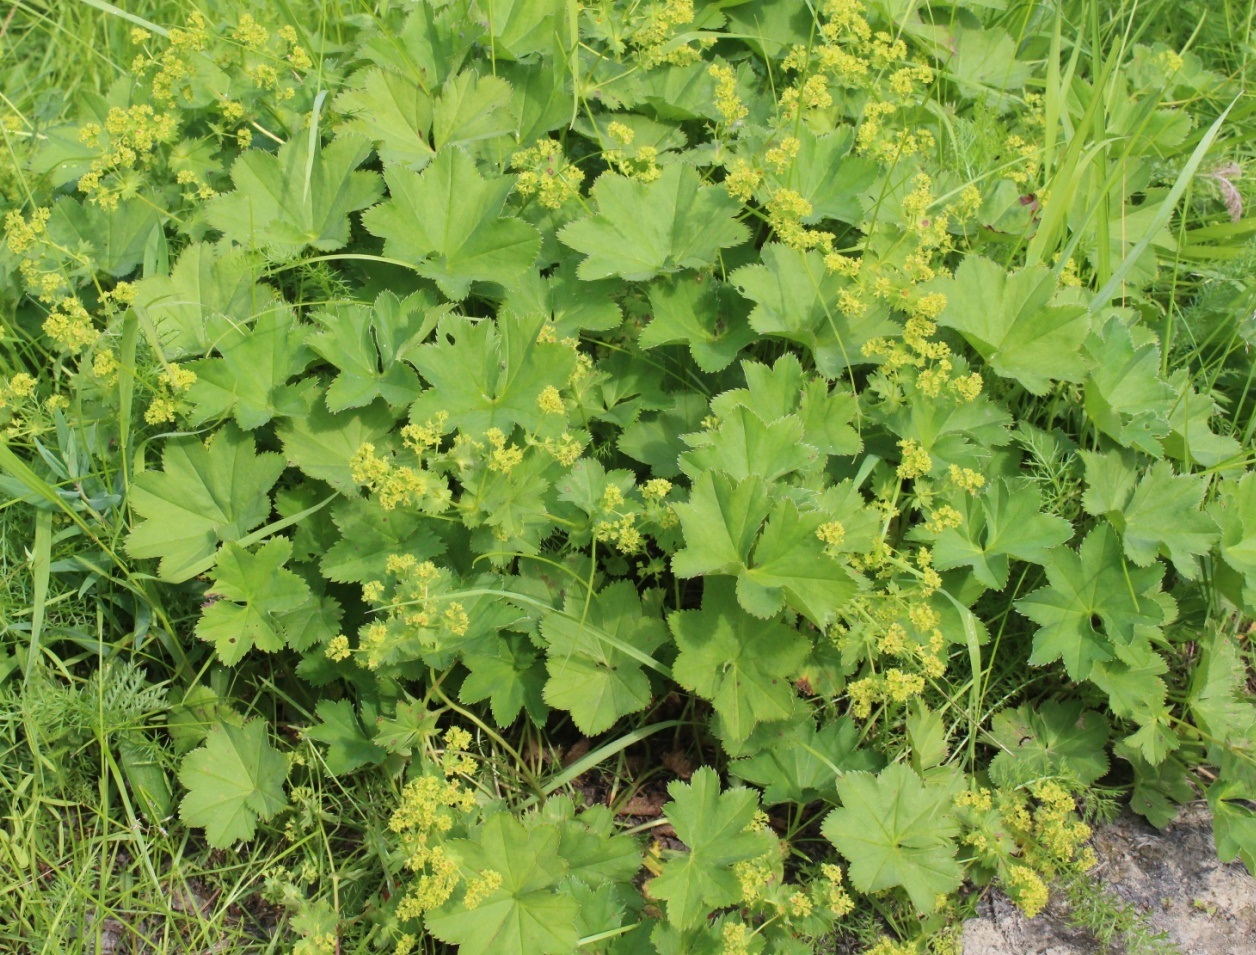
40, 258
1026, 889
893, 686
619, 527
830, 892
915, 461
786, 209
14, 393
832, 534
735, 938
479, 889
742, 180
128, 144
640, 162
264, 68
1027, 846
172, 383
888, 946
1058, 835
654, 38
415, 615
338, 648
729, 105
429, 807
21, 234
397, 484
546, 174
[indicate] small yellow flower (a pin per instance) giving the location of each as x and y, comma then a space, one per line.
21, 385
916, 461
481, 888
656, 489
550, 401
338, 648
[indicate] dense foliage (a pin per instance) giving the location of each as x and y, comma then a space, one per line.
432, 427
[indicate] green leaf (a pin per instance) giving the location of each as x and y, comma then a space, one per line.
486, 374
1008, 319
745, 445
1110, 480
432, 43
720, 523
447, 223
783, 390
790, 566
112, 239
321, 444
233, 780
1191, 439
896, 831
365, 344
1049, 739
349, 748
655, 440
742, 665
207, 294
369, 535
1125, 397
394, 113
523, 27
254, 590
1158, 515
509, 676
1235, 513
589, 675
642, 229
250, 380
1218, 696
982, 61
1163, 516
1132, 682
1004, 522
590, 842
206, 493
714, 827
1093, 599
524, 915
571, 304
1159, 790
802, 763
795, 298
1233, 820
471, 108
288, 200
701, 312
823, 172
407, 729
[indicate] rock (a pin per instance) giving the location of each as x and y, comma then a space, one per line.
1173, 878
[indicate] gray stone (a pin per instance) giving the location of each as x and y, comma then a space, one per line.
1172, 877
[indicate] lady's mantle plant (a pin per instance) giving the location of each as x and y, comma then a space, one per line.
771, 375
